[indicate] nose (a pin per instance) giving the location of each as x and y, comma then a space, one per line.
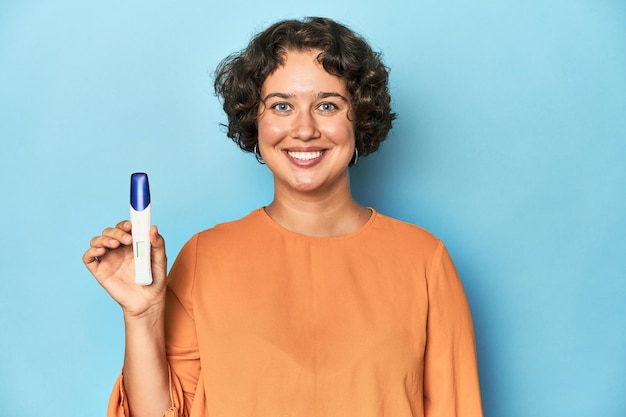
305, 127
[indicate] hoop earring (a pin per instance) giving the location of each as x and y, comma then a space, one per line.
257, 155
355, 158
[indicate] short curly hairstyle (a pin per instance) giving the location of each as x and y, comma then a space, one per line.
240, 76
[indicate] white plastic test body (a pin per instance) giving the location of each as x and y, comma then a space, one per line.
140, 217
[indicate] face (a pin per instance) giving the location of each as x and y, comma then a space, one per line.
305, 135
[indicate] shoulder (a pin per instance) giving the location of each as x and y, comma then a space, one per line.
405, 233
420, 246
236, 232
220, 244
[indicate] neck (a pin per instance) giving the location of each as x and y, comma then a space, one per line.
328, 215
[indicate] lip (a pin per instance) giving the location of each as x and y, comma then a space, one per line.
305, 157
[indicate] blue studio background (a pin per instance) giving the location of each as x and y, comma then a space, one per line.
510, 146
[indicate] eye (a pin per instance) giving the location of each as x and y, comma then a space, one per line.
281, 107
327, 107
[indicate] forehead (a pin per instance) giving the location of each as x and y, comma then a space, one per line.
301, 71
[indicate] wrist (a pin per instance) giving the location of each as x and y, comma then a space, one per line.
154, 313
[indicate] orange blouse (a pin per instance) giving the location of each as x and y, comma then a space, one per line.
264, 322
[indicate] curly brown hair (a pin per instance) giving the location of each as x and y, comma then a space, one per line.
240, 76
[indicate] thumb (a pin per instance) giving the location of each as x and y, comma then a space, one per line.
158, 255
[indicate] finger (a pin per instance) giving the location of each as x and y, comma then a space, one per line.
92, 255
111, 238
156, 240
116, 233
124, 225
159, 257
121, 232
106, 242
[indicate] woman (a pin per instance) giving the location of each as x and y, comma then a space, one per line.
313, 305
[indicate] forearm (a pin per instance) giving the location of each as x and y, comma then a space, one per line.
146, 376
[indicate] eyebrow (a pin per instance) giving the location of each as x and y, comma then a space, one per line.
322, 94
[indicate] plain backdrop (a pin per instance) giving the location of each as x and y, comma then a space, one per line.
510, 146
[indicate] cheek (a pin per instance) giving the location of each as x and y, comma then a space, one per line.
341, 131
270, 130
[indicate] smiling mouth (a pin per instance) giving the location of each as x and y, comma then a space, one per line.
305, 156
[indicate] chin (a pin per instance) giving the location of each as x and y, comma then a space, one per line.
304, 186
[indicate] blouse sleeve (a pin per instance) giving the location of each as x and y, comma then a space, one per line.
180, 341
451, 386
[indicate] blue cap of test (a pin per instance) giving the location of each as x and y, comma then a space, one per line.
139, 191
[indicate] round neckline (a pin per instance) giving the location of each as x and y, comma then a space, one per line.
350, 235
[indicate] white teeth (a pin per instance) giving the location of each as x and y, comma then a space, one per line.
305, 156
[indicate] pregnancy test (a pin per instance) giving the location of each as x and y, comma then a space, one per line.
140, 217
